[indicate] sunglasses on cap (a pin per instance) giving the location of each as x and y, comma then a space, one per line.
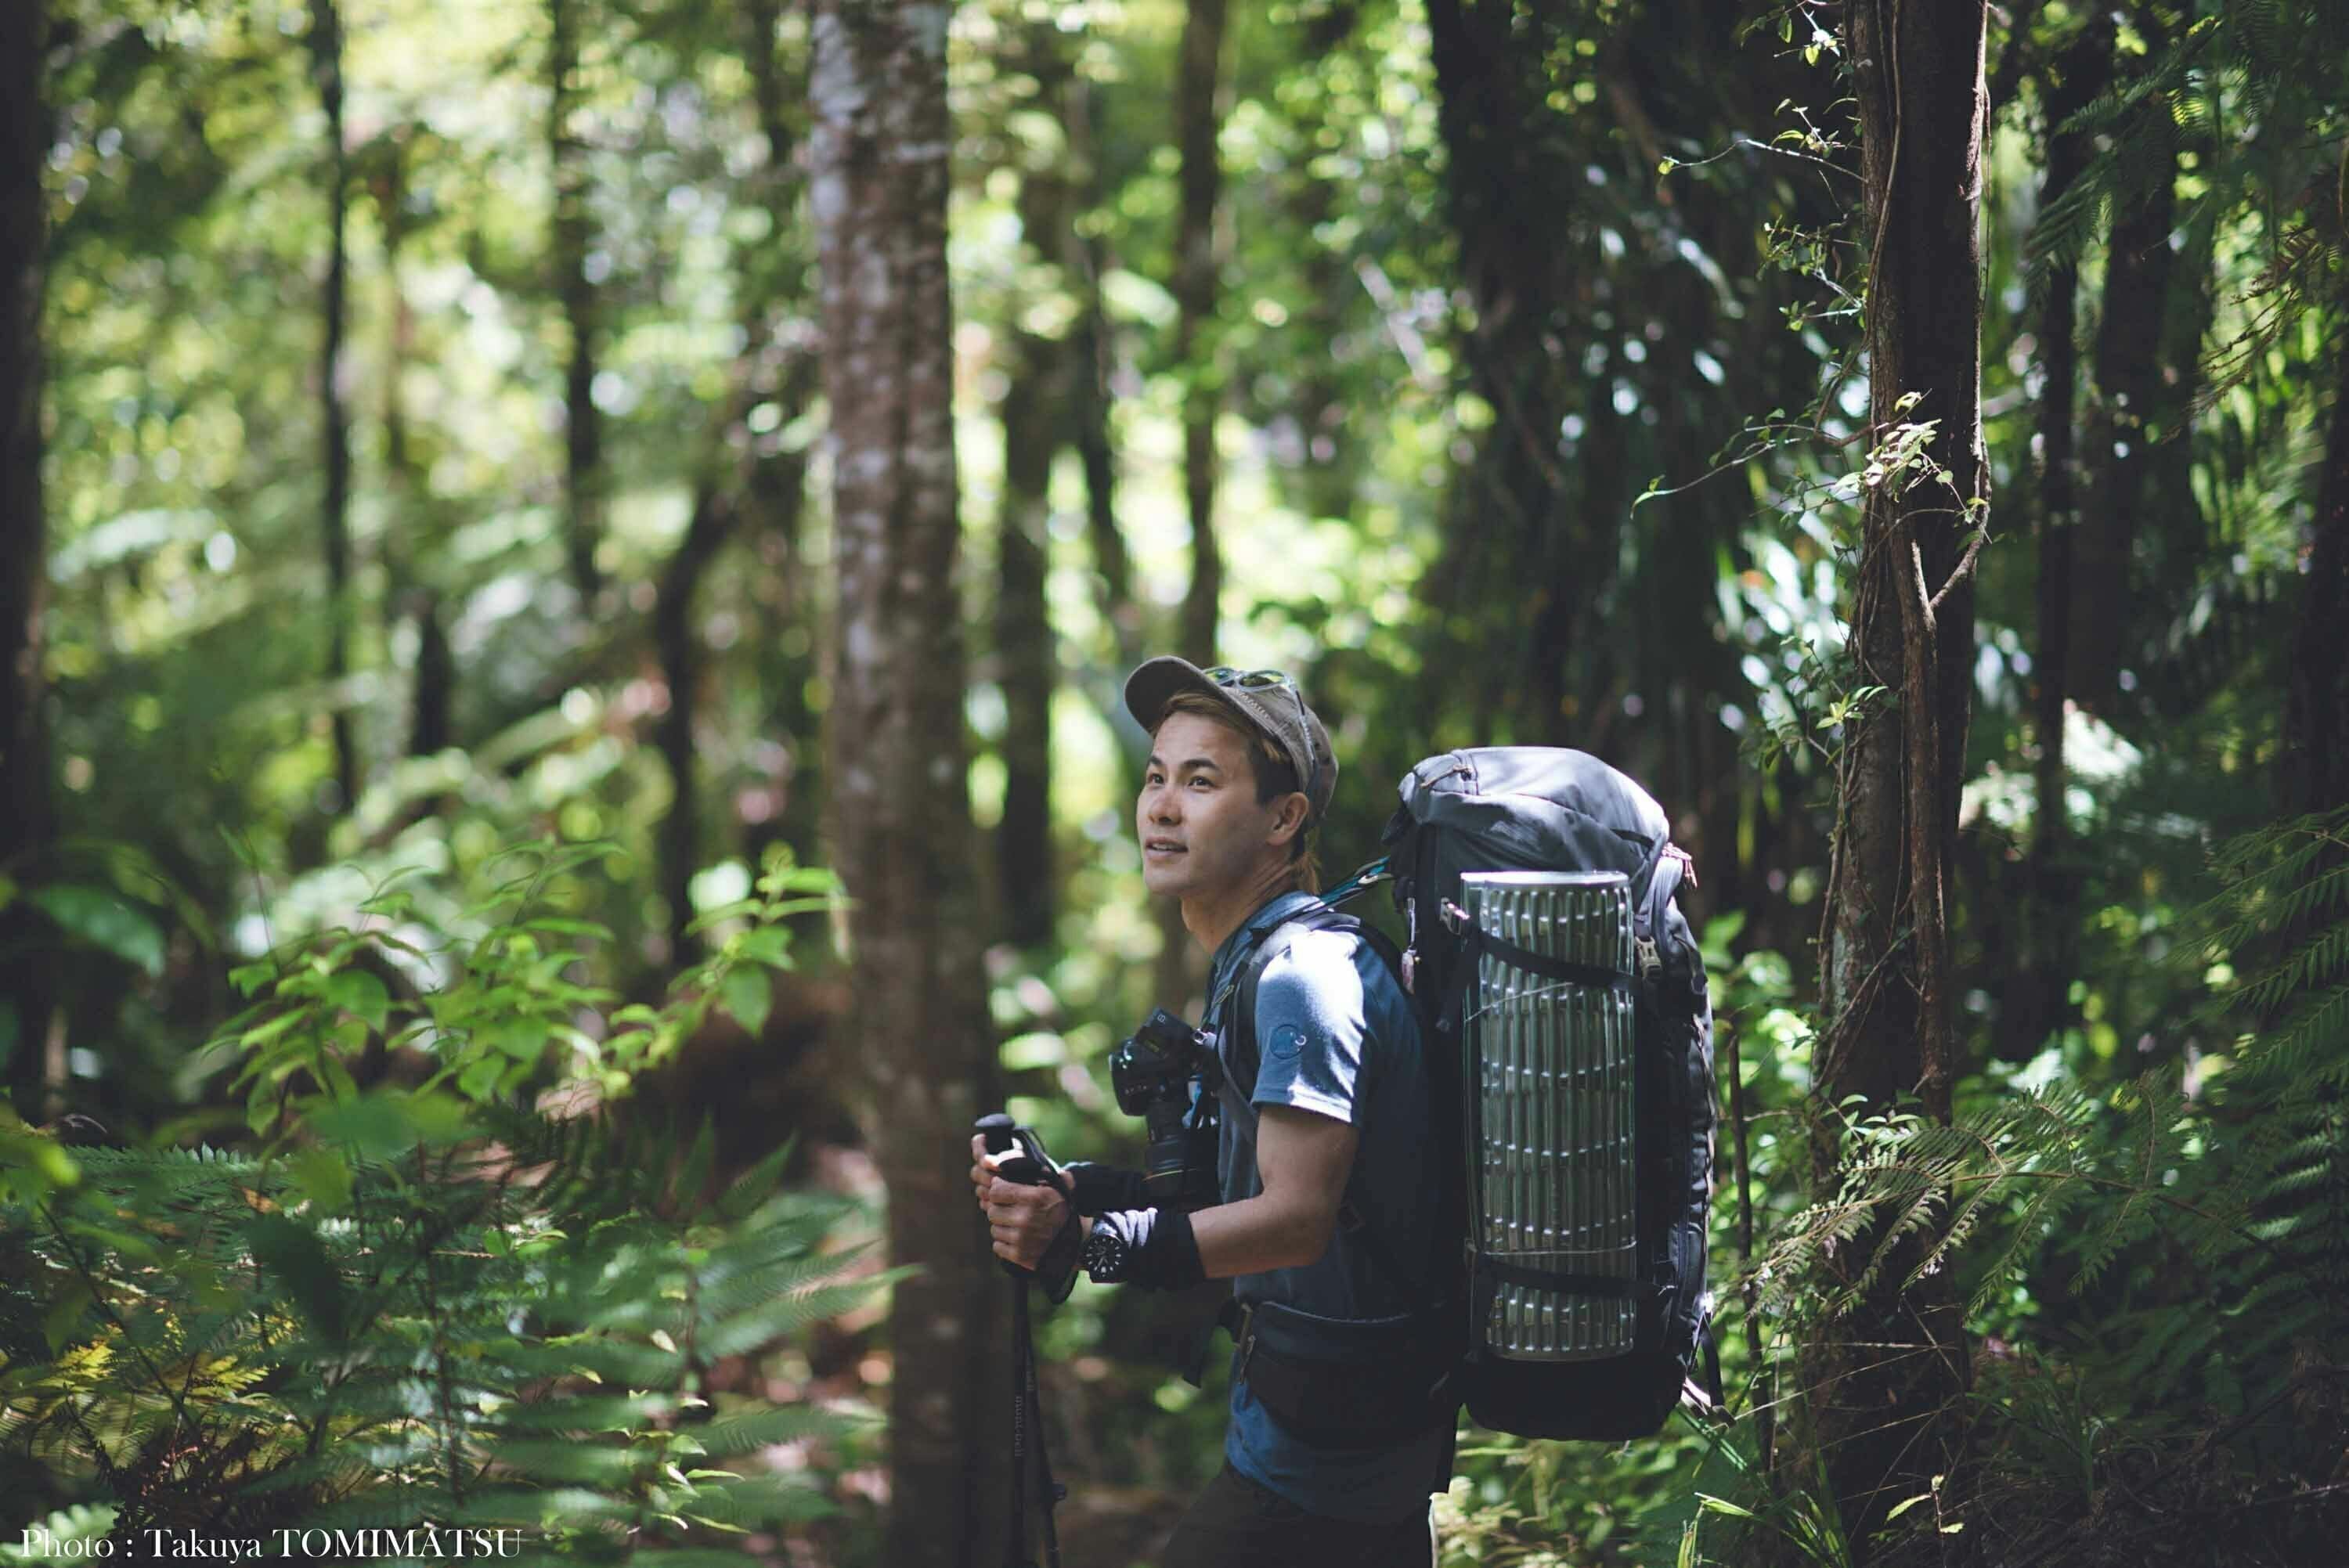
1266, 680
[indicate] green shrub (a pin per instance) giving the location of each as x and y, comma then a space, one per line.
488, 1299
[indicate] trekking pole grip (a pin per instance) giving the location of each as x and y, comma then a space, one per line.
1003, 1136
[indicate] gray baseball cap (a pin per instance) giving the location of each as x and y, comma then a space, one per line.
1265, 700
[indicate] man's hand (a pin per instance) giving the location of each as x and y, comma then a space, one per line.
1020, 1219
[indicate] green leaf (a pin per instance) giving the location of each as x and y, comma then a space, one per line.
767, 945
357, 992
520, 1038
57, 1323
293, 1253
479, 1079
749, 998
323, 1177
106, 922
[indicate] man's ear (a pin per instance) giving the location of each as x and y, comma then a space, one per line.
1289, 820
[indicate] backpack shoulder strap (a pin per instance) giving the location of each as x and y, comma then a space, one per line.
1240, 1058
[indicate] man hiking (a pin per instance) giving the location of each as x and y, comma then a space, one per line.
1324, 1159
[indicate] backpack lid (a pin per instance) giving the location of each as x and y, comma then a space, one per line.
1531, 808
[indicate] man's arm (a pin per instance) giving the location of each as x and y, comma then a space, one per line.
1303, 1158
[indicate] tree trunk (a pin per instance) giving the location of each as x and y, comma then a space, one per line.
1091, 356
1198, 258
1330, 465
27, 808
1884, 1377
900, 822
431, 725
2039, 1002
326, 66
775, 489
680, 651
2139, 400
1523, 527
1025, 665
1198, 88
1036, 418
582, 432
2316, 692
736, 469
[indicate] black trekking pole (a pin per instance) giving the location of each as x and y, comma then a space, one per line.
1031, 1167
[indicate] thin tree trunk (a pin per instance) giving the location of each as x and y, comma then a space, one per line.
775, 489
1522, 525
1197, 118
2134, 405
731, 474
1330, 465
900, 823
1025, 666
2315, 764
583, 430
1884, 1379
1091, 353
2039, 1002
326, 62
431, 726
1198, 86
680, 651
27, 807
1036, 420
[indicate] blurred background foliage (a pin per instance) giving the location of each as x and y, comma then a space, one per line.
1529, 362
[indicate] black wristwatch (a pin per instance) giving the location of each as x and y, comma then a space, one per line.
1106, 1254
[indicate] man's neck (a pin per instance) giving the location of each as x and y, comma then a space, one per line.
1210, 920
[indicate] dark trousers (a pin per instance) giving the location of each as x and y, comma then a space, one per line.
1235, 1523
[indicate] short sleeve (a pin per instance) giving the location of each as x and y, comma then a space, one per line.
1309, 1028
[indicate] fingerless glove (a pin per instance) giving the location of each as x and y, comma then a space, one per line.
1152, 1248
1103, 1189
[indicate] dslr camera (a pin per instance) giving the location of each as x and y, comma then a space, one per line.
1160, 1073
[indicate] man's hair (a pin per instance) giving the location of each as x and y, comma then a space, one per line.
1275, 775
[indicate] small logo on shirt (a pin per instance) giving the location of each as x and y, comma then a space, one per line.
1286, 1041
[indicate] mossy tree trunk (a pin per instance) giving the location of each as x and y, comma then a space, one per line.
1884, 1379
900, 818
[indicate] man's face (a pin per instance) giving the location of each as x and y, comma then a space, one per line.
1203, 833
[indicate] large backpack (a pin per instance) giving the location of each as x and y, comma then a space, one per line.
1536, 809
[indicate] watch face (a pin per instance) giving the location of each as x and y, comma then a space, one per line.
1104, 1254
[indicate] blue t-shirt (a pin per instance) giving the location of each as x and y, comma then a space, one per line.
1337, 1038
